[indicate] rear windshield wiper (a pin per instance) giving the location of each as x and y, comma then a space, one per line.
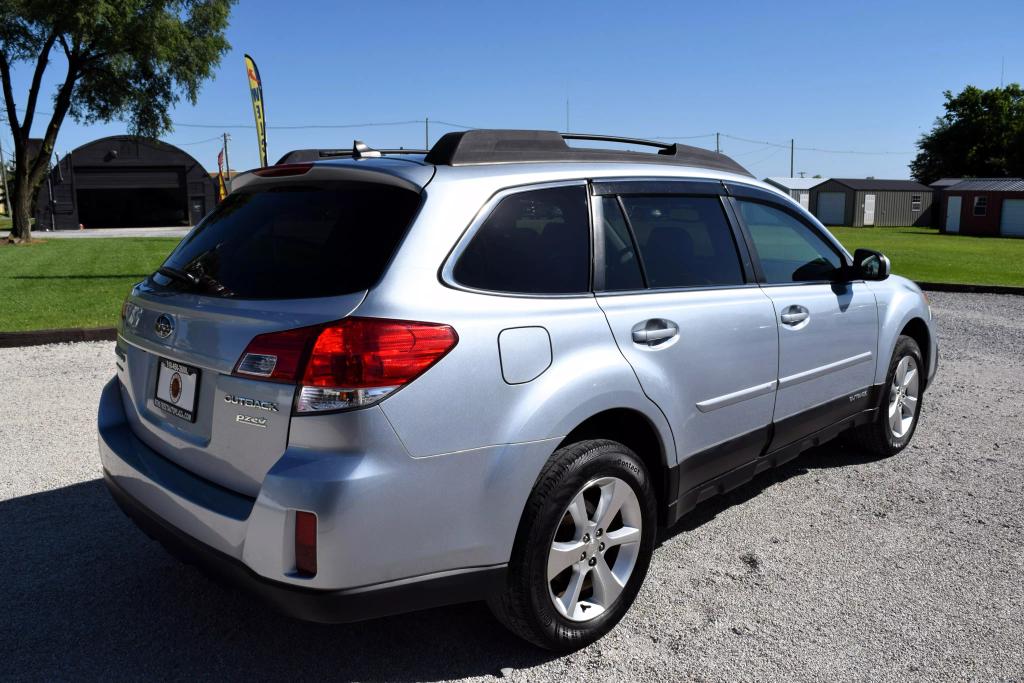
179, 275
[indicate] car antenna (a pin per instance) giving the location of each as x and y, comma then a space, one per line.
361, 150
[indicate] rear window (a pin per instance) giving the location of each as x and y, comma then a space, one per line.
295, 241
534, 242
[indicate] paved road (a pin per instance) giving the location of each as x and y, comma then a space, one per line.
104, 232
837, 567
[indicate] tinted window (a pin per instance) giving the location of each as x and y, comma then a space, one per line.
684, 241
535, 242
621, 267
790, 251
296, 241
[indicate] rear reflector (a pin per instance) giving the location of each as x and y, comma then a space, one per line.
348, 364
305, 543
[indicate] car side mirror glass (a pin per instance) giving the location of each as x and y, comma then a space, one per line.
869, 264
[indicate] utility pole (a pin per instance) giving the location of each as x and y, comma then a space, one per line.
567, 129
718, 146
3, 172
426, 133
227, 164
791, 150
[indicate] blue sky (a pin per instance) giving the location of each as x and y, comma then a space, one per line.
862, 76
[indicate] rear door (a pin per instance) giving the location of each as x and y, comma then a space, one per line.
686, 314
827, 330
276, 255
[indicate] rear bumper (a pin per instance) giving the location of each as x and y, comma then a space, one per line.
401, 533
326, 606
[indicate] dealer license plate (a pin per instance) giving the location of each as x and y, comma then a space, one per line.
177, 386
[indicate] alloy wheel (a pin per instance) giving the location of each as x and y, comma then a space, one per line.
594, 549
903, 397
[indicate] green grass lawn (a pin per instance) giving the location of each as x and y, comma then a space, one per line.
81, 282
73, 282
926, 255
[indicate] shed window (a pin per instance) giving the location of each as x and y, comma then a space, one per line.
980, 206
915, 202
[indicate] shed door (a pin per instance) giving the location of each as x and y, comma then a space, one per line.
1012, 222
953, 215
869, 209
831, 207
805, 199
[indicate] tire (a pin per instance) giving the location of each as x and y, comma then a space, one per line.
880, 437
576, 481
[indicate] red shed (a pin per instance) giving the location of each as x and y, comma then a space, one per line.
985, 206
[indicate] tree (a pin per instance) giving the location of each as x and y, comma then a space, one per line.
131, 60
980, 135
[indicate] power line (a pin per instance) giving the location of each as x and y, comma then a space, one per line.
375, 124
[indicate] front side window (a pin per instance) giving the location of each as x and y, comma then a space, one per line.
789, 250
534, 242
684, 241
980, 206
915, 202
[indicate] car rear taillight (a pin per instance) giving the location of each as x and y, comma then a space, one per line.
348, 364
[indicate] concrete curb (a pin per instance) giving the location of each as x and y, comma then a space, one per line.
37, 337
970, 289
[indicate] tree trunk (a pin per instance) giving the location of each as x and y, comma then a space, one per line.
21, 214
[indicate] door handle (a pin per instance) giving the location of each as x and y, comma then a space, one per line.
794, 315
654, 331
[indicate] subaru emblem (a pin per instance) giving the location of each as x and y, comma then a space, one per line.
164, 326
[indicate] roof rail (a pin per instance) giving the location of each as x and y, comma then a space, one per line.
359, 149
481, 146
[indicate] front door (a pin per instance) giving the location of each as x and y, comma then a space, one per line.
869, 209
699, 334
953, 214
827, 330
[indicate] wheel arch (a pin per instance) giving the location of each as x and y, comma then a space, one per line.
636, 431
917, 329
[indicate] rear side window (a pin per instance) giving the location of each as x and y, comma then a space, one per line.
789, 250
296, 241
534, 242
684, 241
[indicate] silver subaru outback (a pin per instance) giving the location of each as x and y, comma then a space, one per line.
376, 381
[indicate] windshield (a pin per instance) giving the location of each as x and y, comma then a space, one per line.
293, 241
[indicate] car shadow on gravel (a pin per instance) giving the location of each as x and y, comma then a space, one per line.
836, 453
85, 594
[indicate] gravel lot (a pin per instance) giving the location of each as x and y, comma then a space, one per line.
836, 567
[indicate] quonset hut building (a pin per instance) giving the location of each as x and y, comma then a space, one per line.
124, 181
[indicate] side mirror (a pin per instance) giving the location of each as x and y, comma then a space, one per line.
869, 264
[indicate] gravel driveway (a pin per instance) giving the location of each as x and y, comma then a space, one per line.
836, 567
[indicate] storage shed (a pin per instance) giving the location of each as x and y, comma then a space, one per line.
985, 206
797, 188
869, 201
123, 181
